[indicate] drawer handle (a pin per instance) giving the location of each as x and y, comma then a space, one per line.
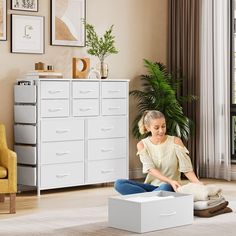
62, 175
54, 91
86, 109
113, 108
62, 153
54, 110
106, 129
113, 91
168, 214
106, 150
86, 91
62, 131
107, 171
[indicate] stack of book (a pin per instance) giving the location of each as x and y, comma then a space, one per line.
29, 77
38, 74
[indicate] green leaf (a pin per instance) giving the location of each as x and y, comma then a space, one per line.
101, 47
159, 92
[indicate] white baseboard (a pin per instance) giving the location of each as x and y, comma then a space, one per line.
136, 173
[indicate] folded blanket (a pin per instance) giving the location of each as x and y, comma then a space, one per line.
201, 192
220, 209
202, 205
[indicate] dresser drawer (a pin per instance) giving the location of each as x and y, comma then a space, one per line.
62, 152
62, 175
25, 114
54, 108
25, 93
26, 154
106, 171
107, 149
25, 134
114, 89
114, 107
112, 127
54, 89
62, 129
26, 175
85, 89
86, 107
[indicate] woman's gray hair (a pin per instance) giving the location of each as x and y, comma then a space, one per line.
146, 119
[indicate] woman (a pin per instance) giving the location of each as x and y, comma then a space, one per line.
163, 157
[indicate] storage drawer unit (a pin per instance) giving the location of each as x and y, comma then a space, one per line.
25, 94
71, 132
61, 175
26, 175
150, 211
25, 114
54, 89
25, 134
26, 154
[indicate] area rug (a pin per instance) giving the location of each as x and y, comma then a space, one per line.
72, 225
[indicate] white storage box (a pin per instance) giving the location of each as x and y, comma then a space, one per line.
25, 93
150, 211
25, 114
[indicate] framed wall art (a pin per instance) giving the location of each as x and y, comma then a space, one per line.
67, 22
3, 19
24, 5
27, 34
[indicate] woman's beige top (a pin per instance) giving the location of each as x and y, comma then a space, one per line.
169, 158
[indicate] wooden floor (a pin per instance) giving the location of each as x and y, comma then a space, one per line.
81, 197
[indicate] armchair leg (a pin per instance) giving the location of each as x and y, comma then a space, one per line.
12, 203
2, 197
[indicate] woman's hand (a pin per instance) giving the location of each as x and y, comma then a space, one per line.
174, 184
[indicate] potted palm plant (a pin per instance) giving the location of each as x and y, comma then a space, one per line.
158, 92
101, 47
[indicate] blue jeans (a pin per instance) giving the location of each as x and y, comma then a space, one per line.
125, 186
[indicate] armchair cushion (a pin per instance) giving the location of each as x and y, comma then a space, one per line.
3, 172
8, 161
8, 175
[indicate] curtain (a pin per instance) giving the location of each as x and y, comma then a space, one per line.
183, 59
215, 89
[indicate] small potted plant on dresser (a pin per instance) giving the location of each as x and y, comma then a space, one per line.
101, 47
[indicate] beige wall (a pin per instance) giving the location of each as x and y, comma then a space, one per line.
140, 27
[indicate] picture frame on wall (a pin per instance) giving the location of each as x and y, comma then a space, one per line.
27, 34
67, 22
3, 19
24, 5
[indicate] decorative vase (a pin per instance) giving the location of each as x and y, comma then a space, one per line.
103, 68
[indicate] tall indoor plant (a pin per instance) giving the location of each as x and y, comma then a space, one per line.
158, 92
101, 47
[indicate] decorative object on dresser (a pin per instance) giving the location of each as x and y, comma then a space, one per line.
94, 74
22, 5
101, 47
27, 34
71, 132
39, 66
80, 67
3, 19
67, 28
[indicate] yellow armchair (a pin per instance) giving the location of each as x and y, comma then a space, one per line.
8, 175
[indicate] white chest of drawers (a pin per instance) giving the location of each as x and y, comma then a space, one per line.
71, 132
